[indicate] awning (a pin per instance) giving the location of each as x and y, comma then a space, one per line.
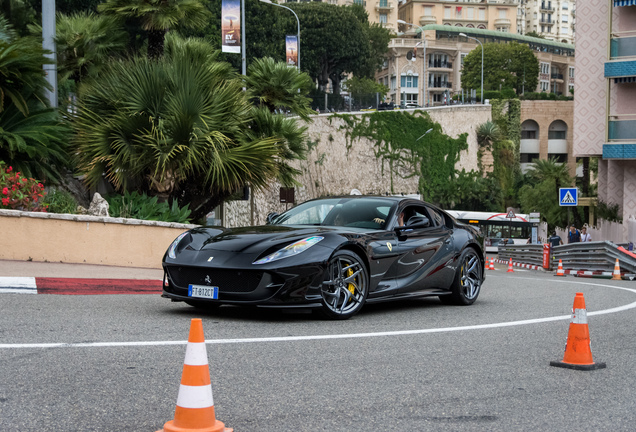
624, 79
624, 3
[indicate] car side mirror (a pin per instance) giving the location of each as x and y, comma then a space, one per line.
271, 216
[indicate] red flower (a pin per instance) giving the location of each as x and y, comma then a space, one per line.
5, 191
5, 201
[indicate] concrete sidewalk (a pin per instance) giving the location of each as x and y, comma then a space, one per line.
32, 277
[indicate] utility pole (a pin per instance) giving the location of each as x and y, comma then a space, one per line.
48, 43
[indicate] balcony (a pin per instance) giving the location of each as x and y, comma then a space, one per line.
623, 46
438, 84
384, 6
502, 22
427, 19
547, 7
546, 21
622, 128
557, 77
439, 65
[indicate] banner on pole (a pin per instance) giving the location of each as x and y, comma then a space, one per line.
291, 50
231, 26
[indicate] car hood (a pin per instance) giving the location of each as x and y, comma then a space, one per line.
250, 239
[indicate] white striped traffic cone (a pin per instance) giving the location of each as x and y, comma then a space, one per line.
492, 264
617, 271
510, 270
560, 271
195, 404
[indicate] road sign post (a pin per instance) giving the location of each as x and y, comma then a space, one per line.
568, 197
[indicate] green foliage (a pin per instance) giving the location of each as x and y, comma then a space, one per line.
86, 43
535, 34
32, 139
60, 201
141, 206
276, 86
156, 17
364, 91
609, 212
508, 66
18, 192
403, 142
544, 96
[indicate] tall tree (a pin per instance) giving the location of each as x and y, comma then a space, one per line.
506, 66
159, 16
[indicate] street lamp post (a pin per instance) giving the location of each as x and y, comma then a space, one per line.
482, 63
297, 21
424, 84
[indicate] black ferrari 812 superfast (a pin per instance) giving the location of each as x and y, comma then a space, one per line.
331, 254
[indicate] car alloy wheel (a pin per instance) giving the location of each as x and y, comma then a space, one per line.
345, 287
468, 279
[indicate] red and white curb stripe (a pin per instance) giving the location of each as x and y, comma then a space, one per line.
514, 264
78, 286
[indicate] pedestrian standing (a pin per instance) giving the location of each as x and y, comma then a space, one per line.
585, 237
555, 240
574, 236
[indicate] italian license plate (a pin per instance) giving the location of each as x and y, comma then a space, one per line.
202, 291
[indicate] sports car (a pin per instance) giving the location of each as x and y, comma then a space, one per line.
333, 255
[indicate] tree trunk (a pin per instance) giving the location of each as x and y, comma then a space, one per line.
155, 43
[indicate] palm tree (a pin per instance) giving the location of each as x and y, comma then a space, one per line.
159, 16
86, 42
487, 134
276, 86
550, 170
178, 127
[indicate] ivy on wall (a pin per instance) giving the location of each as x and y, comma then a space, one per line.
406, 147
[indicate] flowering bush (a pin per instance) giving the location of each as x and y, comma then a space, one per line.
18, 192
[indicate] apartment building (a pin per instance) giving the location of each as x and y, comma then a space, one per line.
605, 104
434, 75
552, 19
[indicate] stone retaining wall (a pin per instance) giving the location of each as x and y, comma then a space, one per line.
85, 239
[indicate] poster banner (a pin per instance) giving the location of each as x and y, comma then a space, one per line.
291, 50
231, 26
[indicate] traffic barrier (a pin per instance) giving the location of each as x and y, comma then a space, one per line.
492, 264
560, 271
195, 404
510, 270
578, 354
617, 271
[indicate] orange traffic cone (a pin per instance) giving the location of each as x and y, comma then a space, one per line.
492, 264
510, 270
195, 405
560, 271
617, 271
578, 354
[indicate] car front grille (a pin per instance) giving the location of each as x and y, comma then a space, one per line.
228, 281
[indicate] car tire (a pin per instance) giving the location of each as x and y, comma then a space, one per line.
468, 279
345, 286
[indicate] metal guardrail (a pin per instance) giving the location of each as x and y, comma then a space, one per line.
590, 256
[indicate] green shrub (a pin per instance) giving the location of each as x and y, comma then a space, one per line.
136, 206
60, 201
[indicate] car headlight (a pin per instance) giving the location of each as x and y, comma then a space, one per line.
290, 250
173, 247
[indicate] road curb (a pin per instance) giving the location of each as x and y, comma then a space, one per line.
78, 286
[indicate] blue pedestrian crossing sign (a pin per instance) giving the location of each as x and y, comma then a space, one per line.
568, 197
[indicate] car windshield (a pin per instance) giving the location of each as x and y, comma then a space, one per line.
369, 213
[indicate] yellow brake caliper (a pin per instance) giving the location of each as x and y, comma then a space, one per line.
351, 287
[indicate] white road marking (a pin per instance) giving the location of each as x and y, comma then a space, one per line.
18, 285
340, 336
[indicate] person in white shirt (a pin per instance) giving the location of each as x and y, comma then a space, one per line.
585, 237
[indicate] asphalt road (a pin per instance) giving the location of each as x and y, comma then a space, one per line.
408, 366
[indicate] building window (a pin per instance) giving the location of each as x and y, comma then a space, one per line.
564, 18
545, 68
528, 134
392, 83
447, 12
458, 12
482, 14
529, 157
560, 134
564, 5
409, 81
544, 85
564, 30
571, 72
428, 10
383, 18
502, 13
462, 57
470, 12
560, 157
